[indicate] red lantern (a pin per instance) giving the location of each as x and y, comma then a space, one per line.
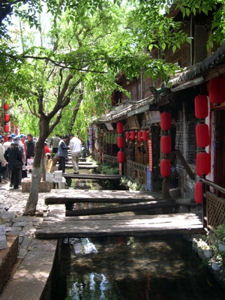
145, 136
216, 89
6, 118
139, 136
201, 107
202, 135
6, 128
120, 156
120, 142
6, 106
165, 121
5, 138
165, 144
119, 127
198, 192
203, 162
127, 134
132, 135
165, 167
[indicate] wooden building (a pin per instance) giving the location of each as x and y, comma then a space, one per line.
141, 113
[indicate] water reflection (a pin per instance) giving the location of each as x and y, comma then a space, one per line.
138, 269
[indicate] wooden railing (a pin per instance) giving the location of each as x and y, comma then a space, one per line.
213, 204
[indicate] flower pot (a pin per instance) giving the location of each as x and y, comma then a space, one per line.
215, 265
221, 246
207, 253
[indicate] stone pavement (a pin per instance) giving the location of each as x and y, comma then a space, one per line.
12, 205
35, 257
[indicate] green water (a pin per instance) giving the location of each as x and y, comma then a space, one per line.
139, 268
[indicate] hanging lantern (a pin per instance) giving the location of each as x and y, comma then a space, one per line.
165, 167
119, 127
202, 135
203, 163
198, 192
6, 106
216, 90
120, 142
132, 135
6, 128
127, 134
145, 136
6, 118
201, 107
165, 144
5, 138
120, 156
139, 136
165, 120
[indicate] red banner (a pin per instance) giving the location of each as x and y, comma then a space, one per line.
150, 154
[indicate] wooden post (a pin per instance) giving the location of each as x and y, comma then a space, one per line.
165, 188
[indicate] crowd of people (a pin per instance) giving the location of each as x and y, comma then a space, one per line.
17, 155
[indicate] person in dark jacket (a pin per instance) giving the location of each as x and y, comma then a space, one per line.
63, 153
30, 145
14, 155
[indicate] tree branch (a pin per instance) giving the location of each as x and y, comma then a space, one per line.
58, 64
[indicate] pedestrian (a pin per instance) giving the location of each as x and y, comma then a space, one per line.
30, 146
7, 143
62, 153
55, 143
76, 148
13, 155
3, 162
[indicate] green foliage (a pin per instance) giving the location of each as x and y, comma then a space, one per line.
108, 169
98, 40
220, 233
132, 186
216, 7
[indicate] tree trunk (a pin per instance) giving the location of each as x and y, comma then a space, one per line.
36, 172
76, 108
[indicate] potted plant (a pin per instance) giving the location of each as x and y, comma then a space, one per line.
216, 262
205, 248
220, 236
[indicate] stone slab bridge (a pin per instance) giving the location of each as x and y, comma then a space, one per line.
63, 224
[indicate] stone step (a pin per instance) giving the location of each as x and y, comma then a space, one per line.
8, 258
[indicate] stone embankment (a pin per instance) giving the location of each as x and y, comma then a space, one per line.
34, 257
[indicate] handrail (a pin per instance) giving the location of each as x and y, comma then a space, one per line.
216, 186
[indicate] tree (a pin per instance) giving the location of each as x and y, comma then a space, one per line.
97, 41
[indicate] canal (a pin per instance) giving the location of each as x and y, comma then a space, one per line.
132, 268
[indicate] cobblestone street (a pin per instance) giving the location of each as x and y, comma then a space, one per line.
12, 204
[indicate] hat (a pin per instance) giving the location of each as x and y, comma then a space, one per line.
16, 139
13, 135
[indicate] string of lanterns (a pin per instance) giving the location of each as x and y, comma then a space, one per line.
203, 159
6, 118
165, 144
120, 142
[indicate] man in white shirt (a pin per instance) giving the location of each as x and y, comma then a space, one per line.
75, 147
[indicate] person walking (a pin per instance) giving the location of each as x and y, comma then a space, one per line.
14, 155
62, 153
76, 148
3, 162
30, 146
7, 144
55, 143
